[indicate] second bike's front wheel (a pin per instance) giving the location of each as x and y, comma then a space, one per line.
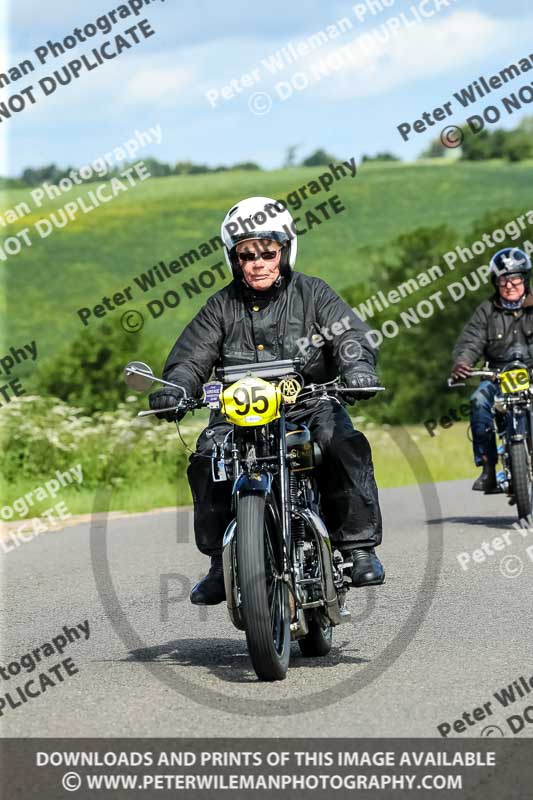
264, 593
521, 479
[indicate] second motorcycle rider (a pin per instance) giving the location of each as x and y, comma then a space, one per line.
497, 325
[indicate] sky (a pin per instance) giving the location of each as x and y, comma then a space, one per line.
384, 69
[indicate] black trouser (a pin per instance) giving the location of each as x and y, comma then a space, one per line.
349, 494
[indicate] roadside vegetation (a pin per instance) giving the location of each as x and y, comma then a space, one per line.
400, 220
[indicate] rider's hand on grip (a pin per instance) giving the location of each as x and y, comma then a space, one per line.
167, 398
361, 378
461, 370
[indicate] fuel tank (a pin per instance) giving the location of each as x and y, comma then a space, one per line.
302, 451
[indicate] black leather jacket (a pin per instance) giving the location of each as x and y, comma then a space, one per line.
238, 326
492, 331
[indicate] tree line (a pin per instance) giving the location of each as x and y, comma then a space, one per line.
512, 145
35, 176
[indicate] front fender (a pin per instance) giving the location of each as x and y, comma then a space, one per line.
260, 484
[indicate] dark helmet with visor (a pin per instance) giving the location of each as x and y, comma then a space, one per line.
510, 261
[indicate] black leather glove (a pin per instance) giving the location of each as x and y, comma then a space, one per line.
360, 378
167, 398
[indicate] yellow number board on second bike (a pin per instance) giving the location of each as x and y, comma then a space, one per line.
251, 401
514, 380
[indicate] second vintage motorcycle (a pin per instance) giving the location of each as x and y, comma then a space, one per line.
513, 412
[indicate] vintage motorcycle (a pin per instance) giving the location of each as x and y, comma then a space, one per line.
513, 411
282, 577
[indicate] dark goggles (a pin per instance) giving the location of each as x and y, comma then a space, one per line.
514, 280
266, 255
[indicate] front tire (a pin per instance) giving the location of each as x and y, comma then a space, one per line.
521, 479
264, 593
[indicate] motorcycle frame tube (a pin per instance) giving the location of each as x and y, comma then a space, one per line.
284, 486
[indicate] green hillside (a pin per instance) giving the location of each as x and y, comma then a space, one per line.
101, 252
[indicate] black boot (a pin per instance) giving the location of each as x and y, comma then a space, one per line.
210, 590
487, 480
367, 569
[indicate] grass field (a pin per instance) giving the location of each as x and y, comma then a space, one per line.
99, 253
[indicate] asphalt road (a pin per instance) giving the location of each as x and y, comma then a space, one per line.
433, 642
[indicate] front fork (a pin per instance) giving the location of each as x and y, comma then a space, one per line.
520, 429
260, 483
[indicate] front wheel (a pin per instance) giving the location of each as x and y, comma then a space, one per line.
521, 479
264, 593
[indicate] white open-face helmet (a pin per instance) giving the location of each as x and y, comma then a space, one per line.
259, 218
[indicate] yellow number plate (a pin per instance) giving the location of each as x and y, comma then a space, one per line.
514, 380
251, 401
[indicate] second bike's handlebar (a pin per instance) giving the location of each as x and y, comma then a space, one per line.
491, 374
475, 373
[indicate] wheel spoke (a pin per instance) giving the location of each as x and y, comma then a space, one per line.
271, 555
273, 608
272, 598
276, 618
274, 592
